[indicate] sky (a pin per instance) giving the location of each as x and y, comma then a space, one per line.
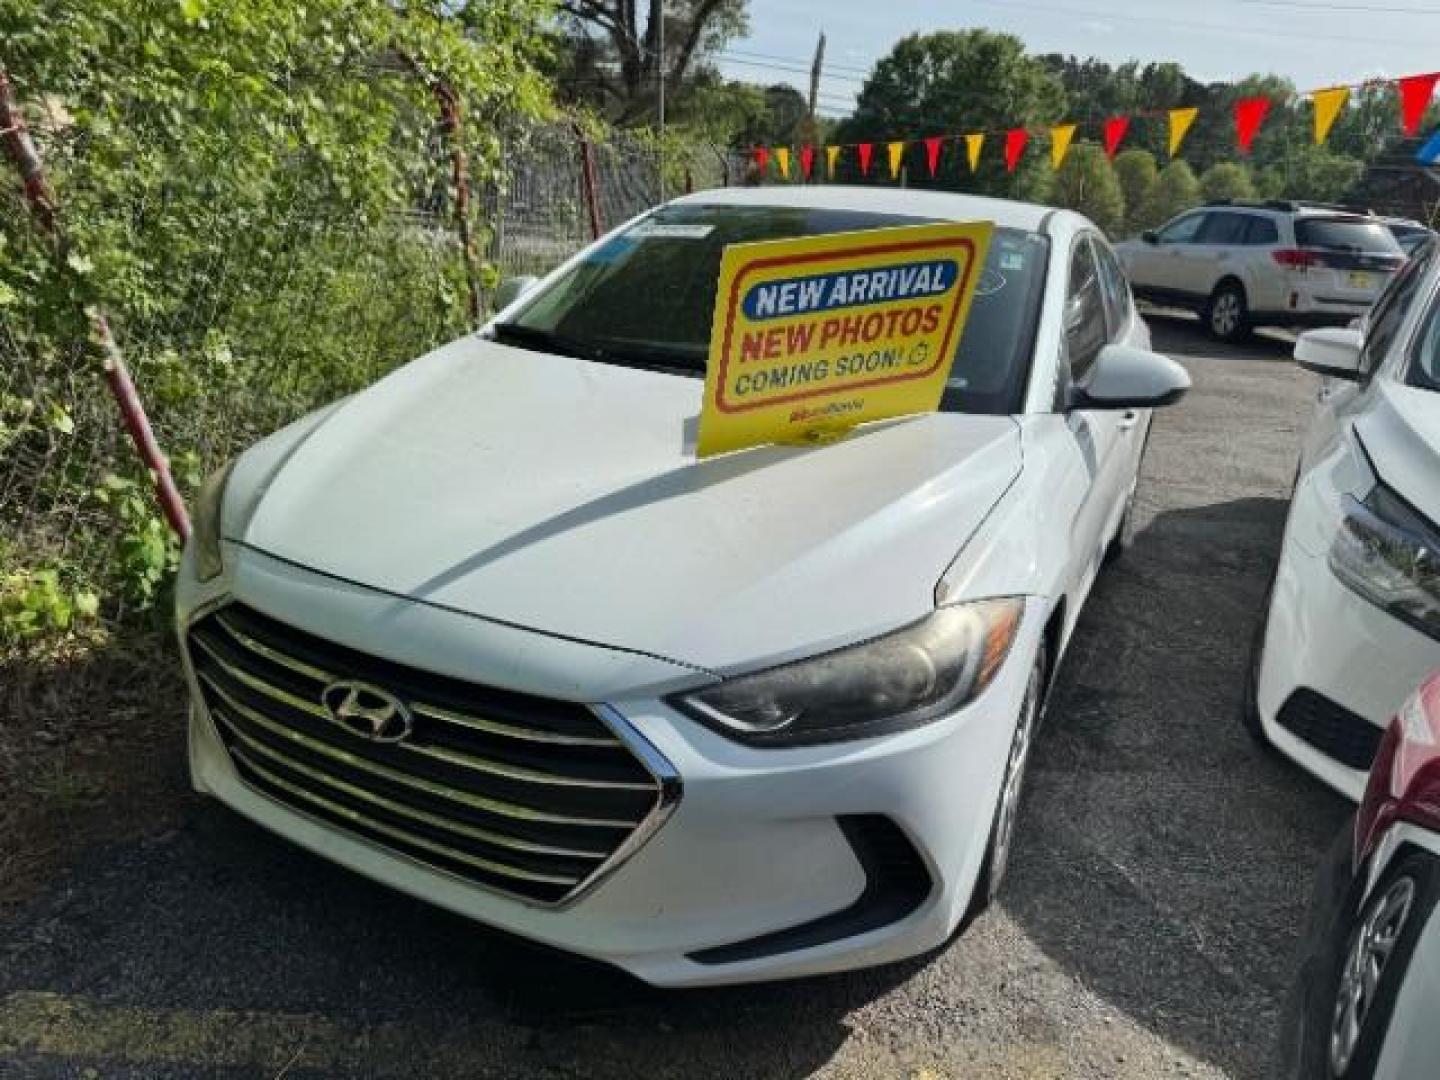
1315, 43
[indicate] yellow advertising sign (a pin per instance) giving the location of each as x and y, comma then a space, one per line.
814, 335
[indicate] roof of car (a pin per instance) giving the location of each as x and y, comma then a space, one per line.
944, 205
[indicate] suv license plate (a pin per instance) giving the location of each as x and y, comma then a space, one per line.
1361, 280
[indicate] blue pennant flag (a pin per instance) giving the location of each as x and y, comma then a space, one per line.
1430, 153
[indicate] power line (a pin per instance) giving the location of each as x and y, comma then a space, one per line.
829, 66
797, 70
1381, 9
1125, 16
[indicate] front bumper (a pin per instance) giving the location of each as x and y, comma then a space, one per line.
759, 843
1322, 637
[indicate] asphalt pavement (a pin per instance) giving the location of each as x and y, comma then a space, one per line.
1149, 926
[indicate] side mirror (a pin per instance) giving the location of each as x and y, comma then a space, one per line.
1150, 236
512, 289
1334, 353
1126, 378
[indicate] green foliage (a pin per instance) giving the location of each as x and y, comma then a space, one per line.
37, 602
1176, 190
242, 187
1087, 183
957, 81
1312, 172
1227, 181
1138, 176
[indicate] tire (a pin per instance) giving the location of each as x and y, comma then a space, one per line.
1250, 703
1348, 1020
1007, 808
1227, 313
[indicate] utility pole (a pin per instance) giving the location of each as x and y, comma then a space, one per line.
812, 125
657, 12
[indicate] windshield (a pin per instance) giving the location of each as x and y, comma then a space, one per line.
1346, 234
645, 297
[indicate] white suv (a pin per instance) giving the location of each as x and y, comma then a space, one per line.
1279, 263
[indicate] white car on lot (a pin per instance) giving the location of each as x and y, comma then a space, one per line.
490, 633
1354, 612
1279, 263
1369, 987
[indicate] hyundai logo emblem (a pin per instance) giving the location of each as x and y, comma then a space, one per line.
367, 711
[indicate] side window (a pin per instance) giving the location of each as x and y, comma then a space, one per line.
1390, 310
1085, 331
1182, 230
1224, 228
1261, 232
1114, 287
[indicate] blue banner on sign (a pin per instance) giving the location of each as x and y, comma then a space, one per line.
850, 288
1430, 153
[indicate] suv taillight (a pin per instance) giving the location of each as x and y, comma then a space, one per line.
1296, 258
1404, 781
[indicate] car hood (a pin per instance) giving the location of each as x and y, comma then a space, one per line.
1402, 436
564, 496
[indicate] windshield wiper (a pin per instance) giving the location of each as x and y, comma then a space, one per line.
647, 357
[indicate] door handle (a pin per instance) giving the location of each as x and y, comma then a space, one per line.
1129, 420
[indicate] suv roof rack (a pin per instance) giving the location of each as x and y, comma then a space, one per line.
1290, 206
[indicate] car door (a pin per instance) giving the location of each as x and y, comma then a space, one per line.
1159, 269
1217, 252
1125, 327
1097, 432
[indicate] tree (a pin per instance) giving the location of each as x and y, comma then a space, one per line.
1176, 190
1137, 174
1227, 181
957, 81
1315, 172
615, 59
1086, 183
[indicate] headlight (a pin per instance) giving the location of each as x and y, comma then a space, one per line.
898, 681
205, 525
1390, 555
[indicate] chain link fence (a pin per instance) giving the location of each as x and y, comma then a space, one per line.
238, 317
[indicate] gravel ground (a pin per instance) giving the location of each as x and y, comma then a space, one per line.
1148, 928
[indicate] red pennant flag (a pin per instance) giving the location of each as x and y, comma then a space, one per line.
865, 150
1015, 141
932, 153
1249, 115
1115, 129
1415, 94
762, 160
807, 159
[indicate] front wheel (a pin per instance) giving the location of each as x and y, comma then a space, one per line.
1227, 315
1002, 830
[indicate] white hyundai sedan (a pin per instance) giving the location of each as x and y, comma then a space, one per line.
1354, 612
491, 634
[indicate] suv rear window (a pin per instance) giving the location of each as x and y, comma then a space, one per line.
1345, 234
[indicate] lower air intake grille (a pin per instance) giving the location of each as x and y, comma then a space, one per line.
526, 796
1332, 729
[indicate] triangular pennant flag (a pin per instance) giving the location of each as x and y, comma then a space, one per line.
1180, 121
932, 153
807, 160
782, 159
832, 156
1015, 140
896, 151
1430, 153
973, 145
1115, 129
762, 160
1328, 104
865, 149
1060, 144
1415, 94
1249, 115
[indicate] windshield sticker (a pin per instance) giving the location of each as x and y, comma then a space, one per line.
613, 250
816, 334
1012, 260
670, 230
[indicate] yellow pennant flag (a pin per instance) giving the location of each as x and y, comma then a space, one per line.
1060, 144
1180, 121
832, 155
897, 151
1328, 104
973, 143
782, 159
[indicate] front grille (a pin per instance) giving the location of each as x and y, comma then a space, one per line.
1331, 728
523, 795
